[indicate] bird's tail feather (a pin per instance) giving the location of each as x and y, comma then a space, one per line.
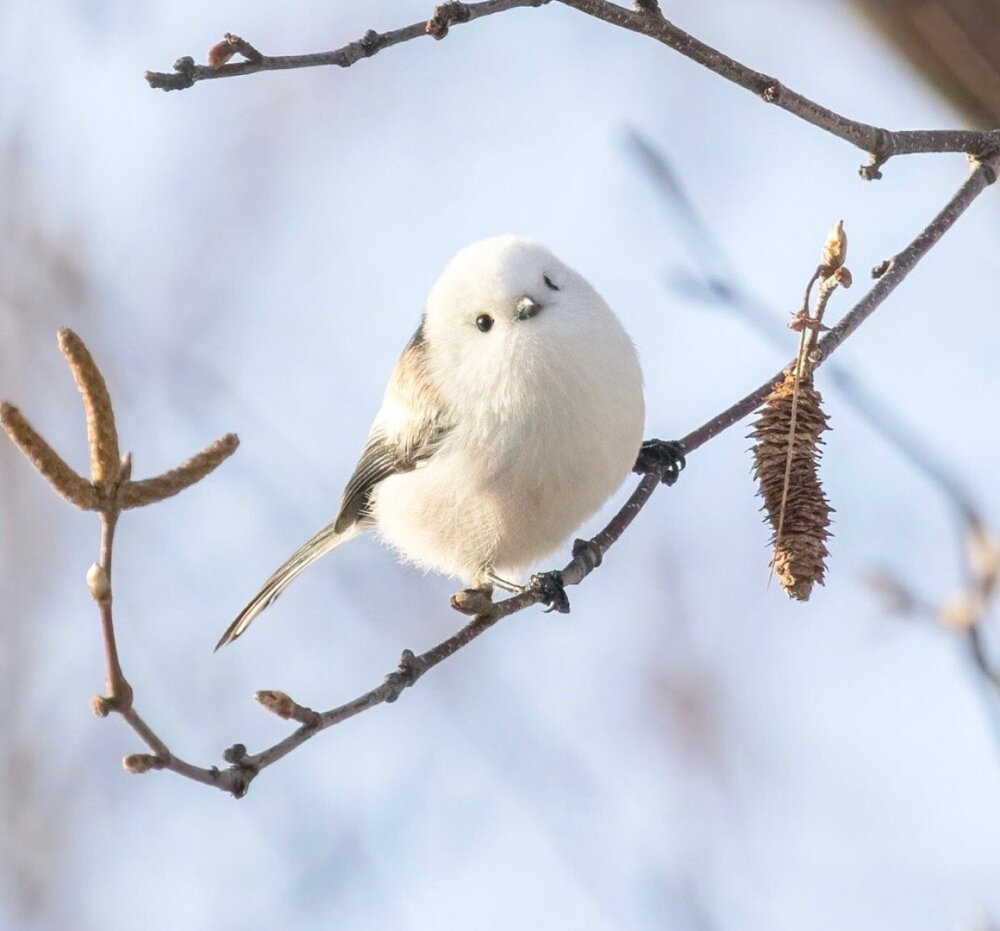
321, 544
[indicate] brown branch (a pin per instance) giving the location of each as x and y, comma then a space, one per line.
880, 144
980, 560
186, 73
720, 283
109, 493
244, 767
982, 175
119, 697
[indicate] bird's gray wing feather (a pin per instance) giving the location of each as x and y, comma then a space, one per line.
379, 459
402, 445
391, 448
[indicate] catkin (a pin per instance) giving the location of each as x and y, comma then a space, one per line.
800, 544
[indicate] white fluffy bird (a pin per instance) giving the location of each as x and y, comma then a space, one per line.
513, 413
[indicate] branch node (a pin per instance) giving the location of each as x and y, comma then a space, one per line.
235, 755
182, 78
370, 43
242, 769
883, 151
771, 91
446, 15
879, 270
649, 7
989, 165
588, 554
406, 674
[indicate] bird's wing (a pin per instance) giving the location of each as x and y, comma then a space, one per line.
407, 431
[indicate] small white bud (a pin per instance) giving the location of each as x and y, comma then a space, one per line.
98, 583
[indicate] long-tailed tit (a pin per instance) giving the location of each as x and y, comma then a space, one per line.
513, 413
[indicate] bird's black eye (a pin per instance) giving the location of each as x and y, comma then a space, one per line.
484, 322
548, 281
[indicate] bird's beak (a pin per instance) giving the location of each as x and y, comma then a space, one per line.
527, 307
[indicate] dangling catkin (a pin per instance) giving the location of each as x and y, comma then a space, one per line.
800, 535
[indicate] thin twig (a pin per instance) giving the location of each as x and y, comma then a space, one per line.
119, 696
186, 73
880, 144
982, 175
723, 285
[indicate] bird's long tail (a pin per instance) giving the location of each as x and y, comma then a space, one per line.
321, 544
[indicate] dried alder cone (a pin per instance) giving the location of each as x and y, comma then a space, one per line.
787, 437
800, 546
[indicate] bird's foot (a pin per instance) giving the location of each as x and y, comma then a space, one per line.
473, 601
549, 588
664, 458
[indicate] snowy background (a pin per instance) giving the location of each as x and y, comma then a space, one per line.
687, 749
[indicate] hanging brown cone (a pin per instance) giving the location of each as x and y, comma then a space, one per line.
800, 534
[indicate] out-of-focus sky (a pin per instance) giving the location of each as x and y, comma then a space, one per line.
687, 749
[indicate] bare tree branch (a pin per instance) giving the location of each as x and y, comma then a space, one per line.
978, 555
721, 284
116, 487
982, 175
587, 555
186, 73
880, 144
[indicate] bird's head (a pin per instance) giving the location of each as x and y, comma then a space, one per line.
504, 313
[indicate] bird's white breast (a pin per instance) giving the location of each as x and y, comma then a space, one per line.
550, 437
